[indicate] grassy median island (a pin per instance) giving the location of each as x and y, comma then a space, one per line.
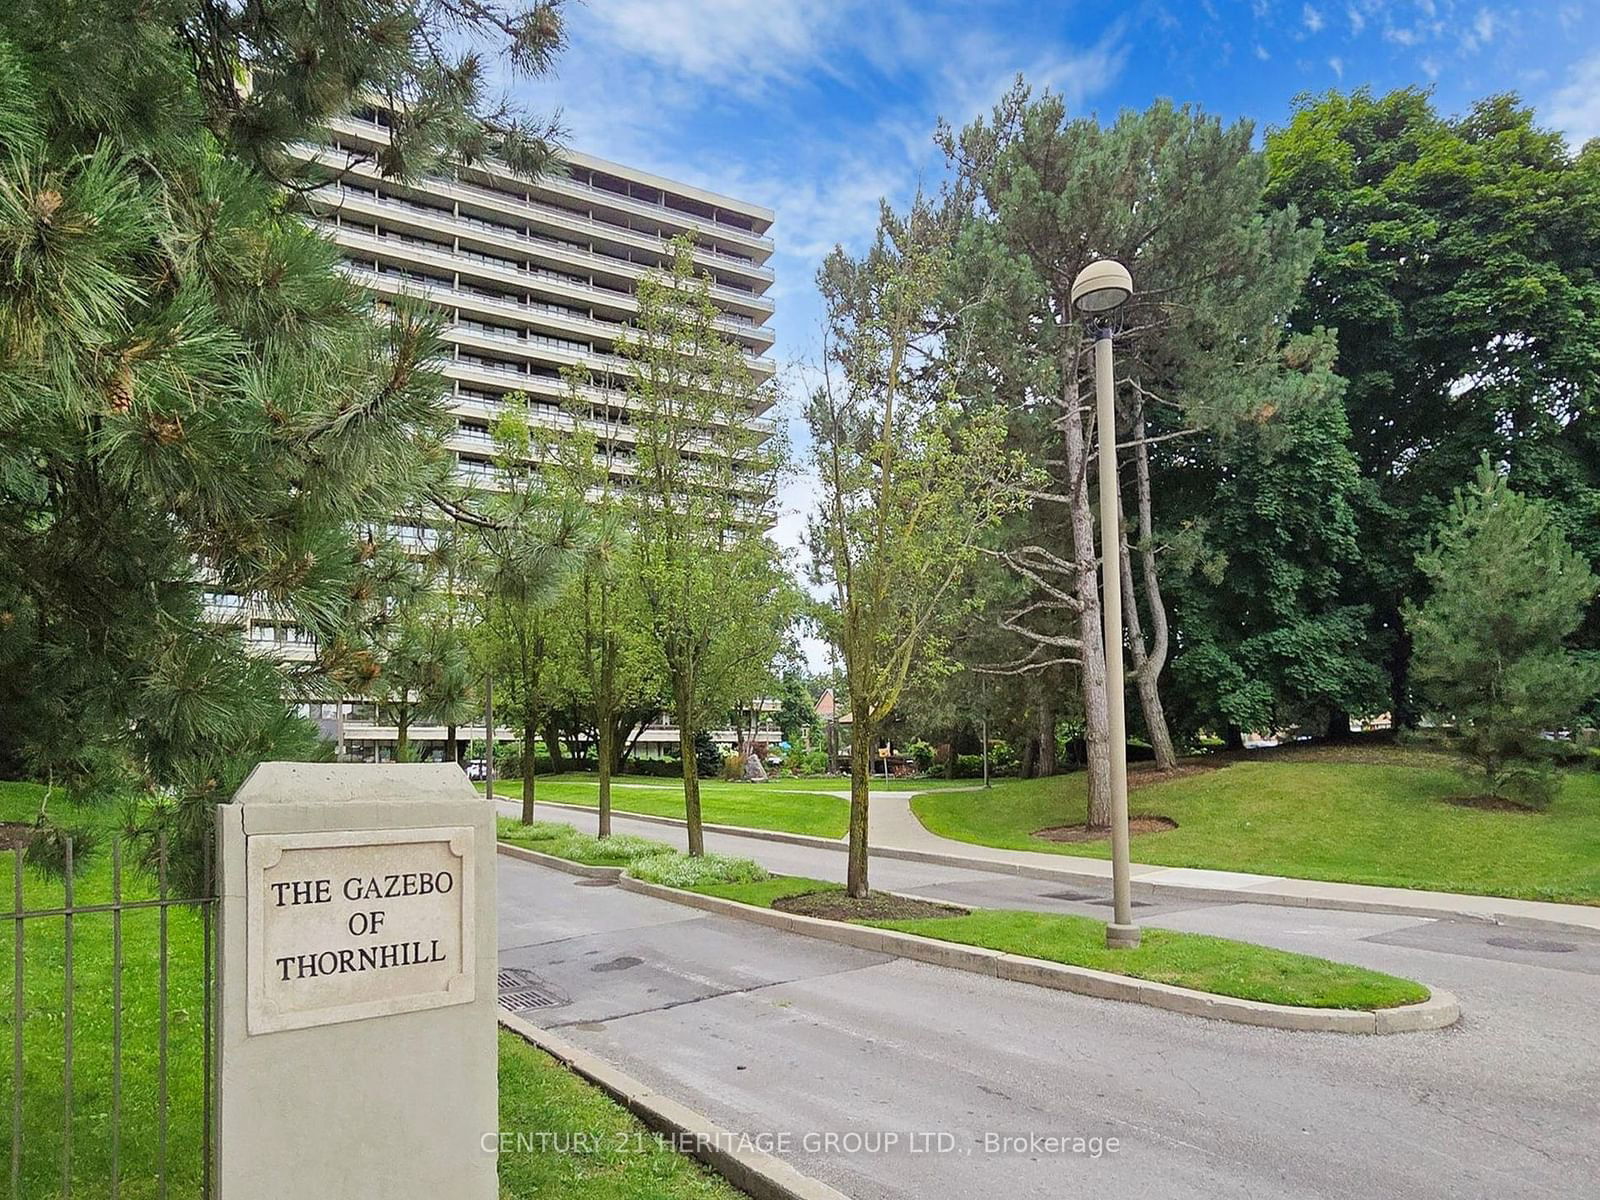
1191, 960
1206, 964
1313, 816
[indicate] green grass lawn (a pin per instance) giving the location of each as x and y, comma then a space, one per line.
44, 1029
1316, 818
542, 1105
752, 805
537, 1095
1208, 964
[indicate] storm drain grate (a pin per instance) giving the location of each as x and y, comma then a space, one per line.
523, 991
595, 883
1069, 895
1109, 901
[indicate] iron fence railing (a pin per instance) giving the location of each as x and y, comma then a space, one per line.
152, 1172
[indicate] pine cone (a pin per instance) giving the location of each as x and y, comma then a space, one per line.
119, 389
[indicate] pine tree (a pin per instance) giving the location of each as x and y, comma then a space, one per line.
1490, 646
193, 399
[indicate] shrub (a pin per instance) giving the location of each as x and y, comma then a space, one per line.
655, 768
706, 755
732, 767
671, 869
921, 754
808, 762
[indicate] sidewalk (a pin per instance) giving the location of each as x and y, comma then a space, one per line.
896, 831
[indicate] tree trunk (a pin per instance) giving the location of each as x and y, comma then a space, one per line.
1030, 757
860, 794
1092, 676
529, 769
691, 775
1233, 738
402, 732
1148, 662
552, 741
488, 737
1147, 670
1401, 714
1047, 733
603, 766
1339, 726
452, 751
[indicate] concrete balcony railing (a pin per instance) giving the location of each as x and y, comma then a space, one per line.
524, 210
398, 282
521, 275
361, 202
566, 185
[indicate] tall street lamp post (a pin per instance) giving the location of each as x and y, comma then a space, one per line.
1099, 290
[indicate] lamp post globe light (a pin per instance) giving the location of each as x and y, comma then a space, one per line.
1099, 290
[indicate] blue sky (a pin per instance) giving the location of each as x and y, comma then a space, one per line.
817, 108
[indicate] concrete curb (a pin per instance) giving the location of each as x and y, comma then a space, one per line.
753, 1172
1141, 890
1436, 1012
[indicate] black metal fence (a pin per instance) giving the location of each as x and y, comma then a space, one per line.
147, 1117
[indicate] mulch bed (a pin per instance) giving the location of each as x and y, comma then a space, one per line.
1082, 833
878, 906
1144, 774
1489, 804
14, 836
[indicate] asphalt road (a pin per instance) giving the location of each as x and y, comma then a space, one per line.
888, 1078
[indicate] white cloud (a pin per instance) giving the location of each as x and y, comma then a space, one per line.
1336, 64
740, 45
814, 108
1357, 21
1313, 19
1575, 107
1261, 52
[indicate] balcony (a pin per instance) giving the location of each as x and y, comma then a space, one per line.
523, 274
566, 185
522, 210
396, 280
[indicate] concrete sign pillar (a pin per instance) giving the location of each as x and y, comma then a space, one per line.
357, 1053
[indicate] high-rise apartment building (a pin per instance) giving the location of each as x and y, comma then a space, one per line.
534, 276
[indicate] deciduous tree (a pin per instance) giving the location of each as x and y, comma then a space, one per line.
908, 487
699, 507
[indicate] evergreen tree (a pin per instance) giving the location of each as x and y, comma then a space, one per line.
193, 399
1177, 196
1490, 642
